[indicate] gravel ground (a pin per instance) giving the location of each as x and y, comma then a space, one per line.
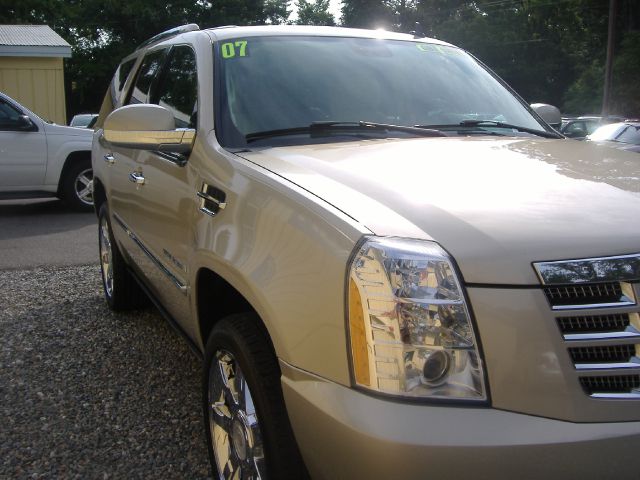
86, 393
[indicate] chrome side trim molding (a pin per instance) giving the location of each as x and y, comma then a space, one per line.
629, 334
590, 270
623, 303
607, 366
176, 281
617, 396
179, 140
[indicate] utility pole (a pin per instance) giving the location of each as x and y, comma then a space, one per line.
608, 73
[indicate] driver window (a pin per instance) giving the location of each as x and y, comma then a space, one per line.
178, 87
147, 76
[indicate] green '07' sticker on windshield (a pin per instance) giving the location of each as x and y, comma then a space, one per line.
237, 48
441, 49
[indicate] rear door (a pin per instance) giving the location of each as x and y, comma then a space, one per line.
123, 165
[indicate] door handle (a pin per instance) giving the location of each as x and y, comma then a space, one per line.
137, 178
109, 158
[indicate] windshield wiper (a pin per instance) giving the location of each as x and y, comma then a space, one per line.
493, 123
325, 127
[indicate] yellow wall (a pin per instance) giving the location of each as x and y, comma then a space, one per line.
37, 83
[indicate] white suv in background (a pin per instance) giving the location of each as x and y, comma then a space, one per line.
41, 159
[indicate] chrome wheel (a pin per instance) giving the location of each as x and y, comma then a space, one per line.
233, 421
106, 256
83, 186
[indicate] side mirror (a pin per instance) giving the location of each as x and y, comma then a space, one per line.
548, 113
25, 124
147, 127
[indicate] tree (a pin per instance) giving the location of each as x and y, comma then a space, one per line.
585, 94
276, 11
314, 12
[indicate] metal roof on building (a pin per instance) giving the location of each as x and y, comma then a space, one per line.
32, 41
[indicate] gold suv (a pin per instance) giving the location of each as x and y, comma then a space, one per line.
390, 265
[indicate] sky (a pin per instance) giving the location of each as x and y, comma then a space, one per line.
334, 9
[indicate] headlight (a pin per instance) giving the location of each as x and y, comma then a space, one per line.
409, 326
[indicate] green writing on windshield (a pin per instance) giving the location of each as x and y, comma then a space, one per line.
441, 49
234, 49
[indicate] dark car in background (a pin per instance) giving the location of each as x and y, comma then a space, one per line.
579, 127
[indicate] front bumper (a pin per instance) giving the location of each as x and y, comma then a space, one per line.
346, 434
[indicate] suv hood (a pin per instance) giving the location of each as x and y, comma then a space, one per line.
53, 129
496, 205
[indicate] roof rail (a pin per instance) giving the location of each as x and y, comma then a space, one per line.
191, 27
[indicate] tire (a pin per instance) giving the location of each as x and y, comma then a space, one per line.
121, 291
77, 185
241, 372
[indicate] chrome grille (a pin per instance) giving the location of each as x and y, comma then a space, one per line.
594, 323
610, 384
605, 354
602, 344
587, 294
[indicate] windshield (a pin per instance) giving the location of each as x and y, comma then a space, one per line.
81, 120
276, 83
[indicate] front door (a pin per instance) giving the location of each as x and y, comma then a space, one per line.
165, 201
23, 154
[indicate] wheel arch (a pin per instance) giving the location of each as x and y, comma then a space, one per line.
72, 157
216, 299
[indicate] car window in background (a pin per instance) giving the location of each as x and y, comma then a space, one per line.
148, 72
592, 126
575, 129
83, 120
8, 116
631, 134
178, 87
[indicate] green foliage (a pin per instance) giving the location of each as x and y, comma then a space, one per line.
314, 12
585, 94
626, 77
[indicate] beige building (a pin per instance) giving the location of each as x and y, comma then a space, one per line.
31, 69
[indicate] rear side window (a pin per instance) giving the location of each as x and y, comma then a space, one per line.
118, 81
122, 73
630, 135
178, 87
149, 70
